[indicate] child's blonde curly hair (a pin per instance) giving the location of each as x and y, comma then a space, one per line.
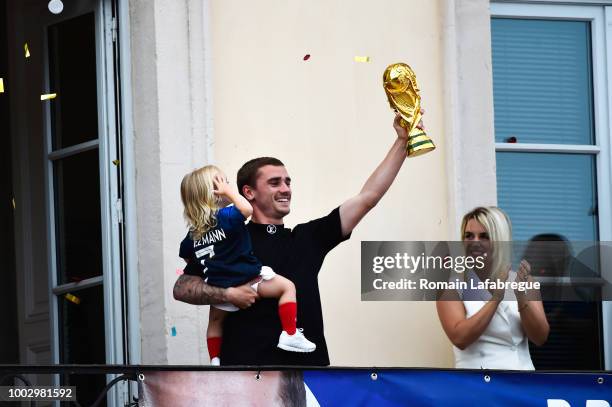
199, 200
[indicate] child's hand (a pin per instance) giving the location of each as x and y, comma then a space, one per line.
222, 187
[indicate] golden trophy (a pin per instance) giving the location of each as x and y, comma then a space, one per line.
402, 91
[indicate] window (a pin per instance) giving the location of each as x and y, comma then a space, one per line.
551, 132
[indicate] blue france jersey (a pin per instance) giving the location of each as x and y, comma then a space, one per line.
224, 254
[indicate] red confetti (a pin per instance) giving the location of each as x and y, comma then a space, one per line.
511, 140
306, 57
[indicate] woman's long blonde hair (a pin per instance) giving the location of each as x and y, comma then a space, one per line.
199, 200
499, 228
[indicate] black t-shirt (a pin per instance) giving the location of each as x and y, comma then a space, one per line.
250, 336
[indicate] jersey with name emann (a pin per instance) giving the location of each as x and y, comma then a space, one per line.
224, 254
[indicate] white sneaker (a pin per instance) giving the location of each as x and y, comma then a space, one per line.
296, 342
215, 362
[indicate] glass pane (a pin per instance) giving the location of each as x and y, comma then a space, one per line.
77, 217
81, 335
542, 83
72, 75
81, 322
546, 193
574, 342
89, 387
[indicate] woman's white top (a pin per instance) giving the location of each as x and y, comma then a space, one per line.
503, 344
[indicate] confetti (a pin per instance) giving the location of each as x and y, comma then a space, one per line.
306, 57
179, 272
55, 6
73, 298
27, 50
173, 331
48, 96
1, 85
511, 140
13, 203
116, 162
362, 59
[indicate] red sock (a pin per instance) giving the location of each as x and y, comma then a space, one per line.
214, 347
288, 316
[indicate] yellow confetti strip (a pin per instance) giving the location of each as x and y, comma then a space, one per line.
116, 162
73, 298
1, 85
48, 96
27, 50
362, 59
13, 203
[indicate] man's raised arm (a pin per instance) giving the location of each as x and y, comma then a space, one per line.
193, 290
354, 209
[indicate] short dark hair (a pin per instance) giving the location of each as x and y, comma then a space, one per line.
291, 391
247, 174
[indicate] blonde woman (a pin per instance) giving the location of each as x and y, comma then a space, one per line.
490, 328
218, 247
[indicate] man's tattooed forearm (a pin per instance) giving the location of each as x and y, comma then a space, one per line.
193, 290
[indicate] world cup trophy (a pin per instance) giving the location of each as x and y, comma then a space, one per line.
402, 91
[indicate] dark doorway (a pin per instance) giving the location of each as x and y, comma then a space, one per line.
9, 339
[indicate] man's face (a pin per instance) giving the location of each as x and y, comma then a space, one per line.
272, 192
185, 388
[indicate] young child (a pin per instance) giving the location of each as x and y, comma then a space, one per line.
218, 243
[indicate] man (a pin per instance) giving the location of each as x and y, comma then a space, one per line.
251, 335
202, 388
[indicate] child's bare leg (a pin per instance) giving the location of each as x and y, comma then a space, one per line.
278, 287
283, 289
216, 317
214, 333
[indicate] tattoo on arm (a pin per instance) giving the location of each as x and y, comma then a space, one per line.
193, 290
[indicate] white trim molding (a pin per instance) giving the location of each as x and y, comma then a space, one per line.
129, 181
468, 99
557, 2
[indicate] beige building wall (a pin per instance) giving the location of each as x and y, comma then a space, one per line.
328, 120
225, 81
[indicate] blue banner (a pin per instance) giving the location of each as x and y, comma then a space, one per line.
382, 388
457, 388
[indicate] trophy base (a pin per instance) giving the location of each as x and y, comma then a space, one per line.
419, 144
416, 153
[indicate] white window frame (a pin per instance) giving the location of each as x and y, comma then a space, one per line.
599, 14
129, 182
110, 204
